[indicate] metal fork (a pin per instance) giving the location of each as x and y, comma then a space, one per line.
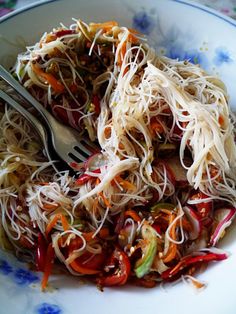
67, 142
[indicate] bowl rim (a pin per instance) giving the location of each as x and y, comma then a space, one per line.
189, 3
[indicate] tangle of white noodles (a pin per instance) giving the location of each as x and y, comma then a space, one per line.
20, 159
143, 86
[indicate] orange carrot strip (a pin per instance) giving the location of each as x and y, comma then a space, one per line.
50, 37
134, 31
48, 266
50, 206
49, 78
132, 38
221, 120
156, 126
172, 251
53, 222
105, 200
133, 215
106, 26
103, 233
125, 184
121, 54
83, 270
64, 223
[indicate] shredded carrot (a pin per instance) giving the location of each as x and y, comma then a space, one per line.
131, 213
166, 211
95, 206
172, 250
49, 78
48, 266
156, 126
125, 184
103, 233
53, 222
196, 283
50, 37
132, 38
83, 270
105, 200
65, 223
121, 146
134, 31
221, 120
106, 26
107, 132
50, 206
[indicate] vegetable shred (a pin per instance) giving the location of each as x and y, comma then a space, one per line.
152, 203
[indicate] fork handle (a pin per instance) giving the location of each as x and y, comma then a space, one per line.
35, 123
7, 77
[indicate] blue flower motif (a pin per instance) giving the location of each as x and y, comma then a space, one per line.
5, 267
222, 55
23, 277
177, 51
46, 308
143, 22
192, 56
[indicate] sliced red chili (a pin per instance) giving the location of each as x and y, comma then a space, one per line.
84, 178
192, 260
64, 32
203, 208
41, 253
49, 260
157, 227
88, 263
120, 267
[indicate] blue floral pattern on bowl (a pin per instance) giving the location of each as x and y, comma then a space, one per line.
5, 267
143, 22
173, 44
25, 277
22, 281
46, 308
222, 55
20, 276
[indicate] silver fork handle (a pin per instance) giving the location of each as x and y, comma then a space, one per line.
6, 76
33, 121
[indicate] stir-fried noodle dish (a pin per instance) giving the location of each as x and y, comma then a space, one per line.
151, 204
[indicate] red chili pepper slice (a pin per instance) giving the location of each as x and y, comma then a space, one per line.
86, 177
88, 263
121, 267
41, 252
49, 260
203, 208
191, 260
64, 32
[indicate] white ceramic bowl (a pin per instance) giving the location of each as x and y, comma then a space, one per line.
176, 28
